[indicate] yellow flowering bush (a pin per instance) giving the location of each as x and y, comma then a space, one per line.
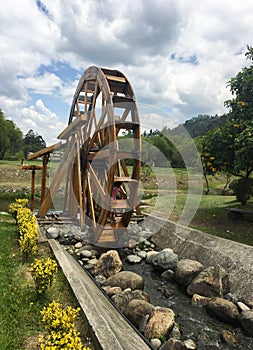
14, 207
60, 325
43, 272
27, 226
28, 231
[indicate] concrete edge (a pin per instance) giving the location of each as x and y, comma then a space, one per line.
235, 258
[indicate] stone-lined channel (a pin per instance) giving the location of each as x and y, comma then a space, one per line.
194, 322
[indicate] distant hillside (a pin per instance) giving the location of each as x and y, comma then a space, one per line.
197, 126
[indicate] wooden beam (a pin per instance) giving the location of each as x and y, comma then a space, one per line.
44, 151
71, 128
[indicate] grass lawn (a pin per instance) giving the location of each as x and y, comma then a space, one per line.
20, 318
211, 212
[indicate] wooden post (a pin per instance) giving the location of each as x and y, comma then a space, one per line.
32, 189
44, 177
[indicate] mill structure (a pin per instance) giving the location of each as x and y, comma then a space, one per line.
98, 171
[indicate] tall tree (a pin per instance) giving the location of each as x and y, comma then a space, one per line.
33, 142
230, 147
4, 140
11, 139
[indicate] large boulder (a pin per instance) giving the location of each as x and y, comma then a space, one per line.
160, 323
108, 264
223, 309
137, 309
165, 260
121, 300
213, 281
124, 280
186, 270
246, 321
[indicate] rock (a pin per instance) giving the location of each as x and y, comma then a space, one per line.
165, 260
100, 279
150, 256
108, 264
160, 323
146, 234
89, 267
223, 309
168, 275
125, 279
93, 262
143, 323
173, 344
78, 245
53, 232
186, 270
122, 300
135, 229
156, 343
246, 321
80, 236
142, 254
231, 297
136, 310
242, 306
175, 333
229, 338
133, 259
190, 344
132, 244
199, 301
110, 291
84, 253
211, 282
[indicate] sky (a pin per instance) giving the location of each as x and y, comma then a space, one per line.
178, 56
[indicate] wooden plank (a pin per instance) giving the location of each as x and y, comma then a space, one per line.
30, 167
120, 204
92, 212
71, 128
126, 125
44, 151
125, 179
115, 78
96, 181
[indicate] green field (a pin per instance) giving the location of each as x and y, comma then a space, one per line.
164, 193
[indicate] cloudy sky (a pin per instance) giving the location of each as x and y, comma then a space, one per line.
178, 55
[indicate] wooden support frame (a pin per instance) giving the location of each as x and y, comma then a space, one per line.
93, 161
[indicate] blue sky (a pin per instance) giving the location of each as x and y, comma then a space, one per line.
178, 56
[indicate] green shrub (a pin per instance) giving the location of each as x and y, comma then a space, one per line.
242, 188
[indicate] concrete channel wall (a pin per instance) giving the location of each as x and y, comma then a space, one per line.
235, 257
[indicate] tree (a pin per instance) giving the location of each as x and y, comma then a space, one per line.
4, 140
11, 139
33, 142
230, 147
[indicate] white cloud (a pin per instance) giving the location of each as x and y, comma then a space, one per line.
43, 84
176, 54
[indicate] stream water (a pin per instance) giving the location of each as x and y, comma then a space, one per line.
193, 322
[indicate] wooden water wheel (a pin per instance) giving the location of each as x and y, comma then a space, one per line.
101, 168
